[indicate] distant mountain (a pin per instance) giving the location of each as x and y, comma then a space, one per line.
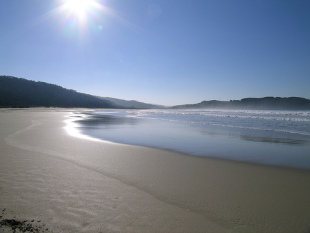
130, 103
266, 103
18, 92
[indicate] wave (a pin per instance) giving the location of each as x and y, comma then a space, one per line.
261, 115
274, 121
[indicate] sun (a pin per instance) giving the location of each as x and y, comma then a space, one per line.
79, 8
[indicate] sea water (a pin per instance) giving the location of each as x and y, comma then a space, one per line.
280, 138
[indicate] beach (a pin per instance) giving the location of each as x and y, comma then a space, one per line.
60, 183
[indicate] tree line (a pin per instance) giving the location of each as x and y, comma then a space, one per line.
19, 92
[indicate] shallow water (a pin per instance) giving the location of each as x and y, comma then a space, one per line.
280, 138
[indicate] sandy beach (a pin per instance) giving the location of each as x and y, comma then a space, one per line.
51, 181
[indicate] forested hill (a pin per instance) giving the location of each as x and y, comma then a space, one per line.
131, 103
266, 103
18, 92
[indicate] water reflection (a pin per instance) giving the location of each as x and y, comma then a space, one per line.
110, 121
93, 120
253, 138
288, 141
257, 146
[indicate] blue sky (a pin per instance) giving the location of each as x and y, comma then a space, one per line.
161, 51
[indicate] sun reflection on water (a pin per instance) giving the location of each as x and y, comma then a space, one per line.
72, 127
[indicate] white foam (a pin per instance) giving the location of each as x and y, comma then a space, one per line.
293, 122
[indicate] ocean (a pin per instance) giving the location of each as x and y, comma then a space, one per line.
278, 138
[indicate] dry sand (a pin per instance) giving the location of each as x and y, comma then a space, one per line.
53, 182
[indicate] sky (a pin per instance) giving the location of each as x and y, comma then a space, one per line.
165, 52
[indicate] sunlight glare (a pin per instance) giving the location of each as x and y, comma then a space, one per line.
80, 7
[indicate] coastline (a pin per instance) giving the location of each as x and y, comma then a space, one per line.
271, 139
75, 185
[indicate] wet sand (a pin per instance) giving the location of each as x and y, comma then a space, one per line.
60, 183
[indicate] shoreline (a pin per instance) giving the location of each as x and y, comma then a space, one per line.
77, 185
217, 154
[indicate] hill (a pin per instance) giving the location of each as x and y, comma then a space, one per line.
18, 92
266, 103
130, 103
